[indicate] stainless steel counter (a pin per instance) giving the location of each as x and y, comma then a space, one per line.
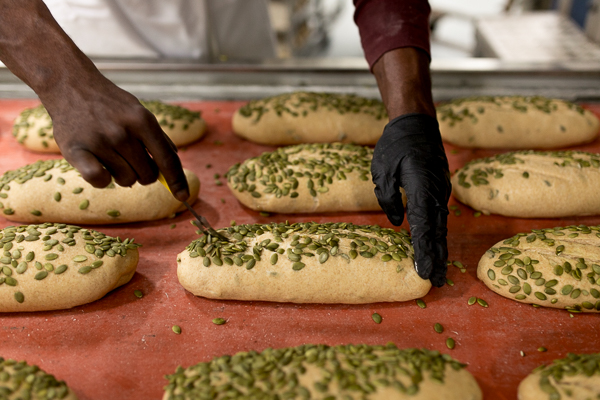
172, 80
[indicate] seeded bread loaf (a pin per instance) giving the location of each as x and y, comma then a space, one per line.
305, 117
303, 263
53, 190
531, 184
58, 266
307, 178
516, 122
324, 372
575, 377
33, 127
19, 380
555, 267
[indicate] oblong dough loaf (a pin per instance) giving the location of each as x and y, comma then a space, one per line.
24, 381
516, 122
323, 372
53, 190
33, 127
555, 267
575, 377
303, 263
306, 117
58, 266
531, 184
307, 178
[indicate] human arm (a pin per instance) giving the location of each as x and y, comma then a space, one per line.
101, 129
410, 153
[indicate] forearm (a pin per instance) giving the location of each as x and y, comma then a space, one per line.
35, 48
404, 82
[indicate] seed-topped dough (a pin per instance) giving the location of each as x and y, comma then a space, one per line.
303, 263
19, 380
58, 266
307, 117
532, 184
324, 372
53, 190
33, 127
576, 377
516, 122
307, 178
554, 267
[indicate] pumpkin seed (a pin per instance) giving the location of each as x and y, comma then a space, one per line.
376, 318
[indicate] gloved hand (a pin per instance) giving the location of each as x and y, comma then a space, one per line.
410, 155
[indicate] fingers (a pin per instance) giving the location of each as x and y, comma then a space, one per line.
159, 146
428, 189
387, 191
139, 161
89, 167
428, 230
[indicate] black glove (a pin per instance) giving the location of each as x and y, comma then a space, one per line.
410, 155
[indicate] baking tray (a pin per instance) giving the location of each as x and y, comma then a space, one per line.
120, 347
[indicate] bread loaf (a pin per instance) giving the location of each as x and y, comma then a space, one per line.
23, 381
307, 178
516, 122
554, 267
303, 263
532, 184
575, 377
33, 127
305, 117
324, 372
53, 190
58, 266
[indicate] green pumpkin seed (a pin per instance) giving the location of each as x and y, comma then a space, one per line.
482, 303
51, 256
472, 300
77, 190
297, 266
323, 257
57, 196
251, 264
84, 270
438, 328
219, 321
274, 258
113, 213
138, 294
37, 213
520, 297
421, 303
376, 318
491, 274
84, 204
176, 329
19, 297
450, 343
21, 268
60, 269
540, 295
79, 259
40, 275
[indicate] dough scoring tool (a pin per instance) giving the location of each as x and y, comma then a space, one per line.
200, 222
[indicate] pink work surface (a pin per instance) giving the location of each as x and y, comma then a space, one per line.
120, 347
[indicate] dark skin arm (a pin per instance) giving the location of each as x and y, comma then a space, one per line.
101, 129
404, 82
410, 155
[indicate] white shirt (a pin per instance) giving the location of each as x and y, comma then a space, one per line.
188, 29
